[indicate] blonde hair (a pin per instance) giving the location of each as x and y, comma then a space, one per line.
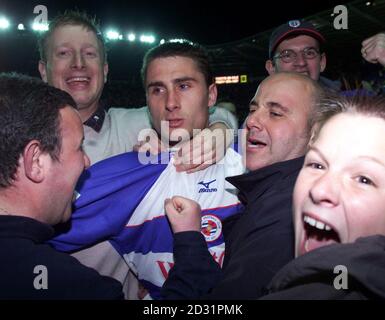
332, 105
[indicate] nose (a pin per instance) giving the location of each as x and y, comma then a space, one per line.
255, 120
172, 100
325, 190
78, 61
300, 59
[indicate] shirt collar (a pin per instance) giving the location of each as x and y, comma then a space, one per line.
258, 181
96, 120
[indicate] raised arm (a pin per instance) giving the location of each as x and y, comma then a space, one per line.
195, 272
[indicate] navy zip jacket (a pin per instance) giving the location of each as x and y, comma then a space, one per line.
313, 275
259, 241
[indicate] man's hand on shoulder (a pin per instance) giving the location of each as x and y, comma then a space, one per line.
206, 148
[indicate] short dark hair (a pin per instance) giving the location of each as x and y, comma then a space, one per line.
29, 110
182, 48
75, 18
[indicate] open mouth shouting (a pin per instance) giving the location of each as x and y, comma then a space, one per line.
253, 143
317, 234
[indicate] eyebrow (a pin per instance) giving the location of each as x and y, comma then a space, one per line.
370, 158
253, 103
317, 151
175, 81
306, 48
155, 84
68, 44
277, 105
271, 105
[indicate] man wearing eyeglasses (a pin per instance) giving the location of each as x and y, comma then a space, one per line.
296, 47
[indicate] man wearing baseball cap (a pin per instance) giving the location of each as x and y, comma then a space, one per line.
296, 46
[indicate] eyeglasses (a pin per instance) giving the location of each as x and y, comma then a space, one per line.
290, 55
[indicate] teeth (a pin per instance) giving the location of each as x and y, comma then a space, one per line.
309, 220
317, 224
256, 146
78, 79
320, 225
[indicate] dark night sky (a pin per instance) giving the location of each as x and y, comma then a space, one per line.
207, 22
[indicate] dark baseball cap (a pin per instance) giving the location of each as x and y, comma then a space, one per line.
292, 28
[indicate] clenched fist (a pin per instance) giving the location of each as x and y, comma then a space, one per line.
183, 214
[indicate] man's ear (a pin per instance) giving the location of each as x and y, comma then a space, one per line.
269, 66
323, 62
43, 70
105, 71
35, 161
213, 93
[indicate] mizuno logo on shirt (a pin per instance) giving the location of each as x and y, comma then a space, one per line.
206, 186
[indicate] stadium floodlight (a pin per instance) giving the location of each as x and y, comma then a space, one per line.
4, 23
113, 35
131, 37
179, 40
20, 26
40, 27
147, 39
